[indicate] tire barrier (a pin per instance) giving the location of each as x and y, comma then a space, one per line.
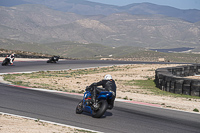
186, 87
178, 86
195, 88
172, 87
173, 79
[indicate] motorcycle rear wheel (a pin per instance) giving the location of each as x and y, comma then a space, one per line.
101, 110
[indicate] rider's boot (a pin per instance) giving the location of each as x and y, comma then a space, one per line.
111, 103
94, 97
94, 94
110, 106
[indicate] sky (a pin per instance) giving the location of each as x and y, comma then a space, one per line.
180, 4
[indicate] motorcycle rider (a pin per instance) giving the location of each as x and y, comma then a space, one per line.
108, 84
55, 58
11, 58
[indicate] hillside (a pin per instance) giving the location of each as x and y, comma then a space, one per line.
24, 46
71, 50
84, 7
39, 24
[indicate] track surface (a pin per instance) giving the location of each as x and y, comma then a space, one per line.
60, 108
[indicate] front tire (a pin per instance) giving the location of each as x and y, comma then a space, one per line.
101, 110
4, 63
79, 107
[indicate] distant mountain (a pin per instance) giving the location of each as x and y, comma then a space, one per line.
37, 23
32, 23
10, 3
190, 15
84, 7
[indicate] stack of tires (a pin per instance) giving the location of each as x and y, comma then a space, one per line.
195, 88
171, 80
178, 86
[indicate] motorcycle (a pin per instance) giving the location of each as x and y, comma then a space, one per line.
97, 111
6, 62
53, 59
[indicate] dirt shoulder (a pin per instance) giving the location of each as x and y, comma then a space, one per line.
14, 124
126, 77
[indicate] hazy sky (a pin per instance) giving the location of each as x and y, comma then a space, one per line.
181, 4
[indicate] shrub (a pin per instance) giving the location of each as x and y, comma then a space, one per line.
195, 110
126, 98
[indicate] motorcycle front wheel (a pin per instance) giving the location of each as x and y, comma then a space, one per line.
4, 63
79, 107
101, 110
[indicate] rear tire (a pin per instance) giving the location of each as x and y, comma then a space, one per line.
102, 109
4, 63
79, 107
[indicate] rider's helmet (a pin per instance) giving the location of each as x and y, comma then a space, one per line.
108, 77
12, 54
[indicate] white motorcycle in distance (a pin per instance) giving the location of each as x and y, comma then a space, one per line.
8, 60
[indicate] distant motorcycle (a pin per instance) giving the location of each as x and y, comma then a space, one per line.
53, 59
6, 62
101, 106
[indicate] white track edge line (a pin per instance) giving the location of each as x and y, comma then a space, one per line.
50, 122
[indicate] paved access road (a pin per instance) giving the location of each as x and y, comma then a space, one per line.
60, 108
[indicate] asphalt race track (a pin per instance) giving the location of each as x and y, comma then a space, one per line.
60, 108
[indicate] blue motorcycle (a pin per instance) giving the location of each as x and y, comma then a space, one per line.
100, 107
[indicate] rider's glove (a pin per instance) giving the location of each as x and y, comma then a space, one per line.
94, 84
87, 88
113, 93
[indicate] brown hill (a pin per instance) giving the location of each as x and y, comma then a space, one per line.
36, 23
